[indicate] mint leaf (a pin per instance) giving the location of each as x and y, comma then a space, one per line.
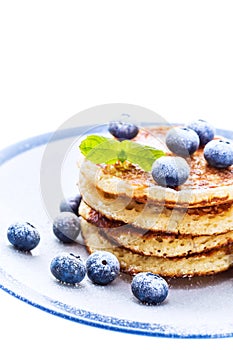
105, 152
157, 153
142, 155
91, 142
99, 150
122, 156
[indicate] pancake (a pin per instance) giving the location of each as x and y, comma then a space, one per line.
210, 220
215, 261
174, 232
150, 243
206, 186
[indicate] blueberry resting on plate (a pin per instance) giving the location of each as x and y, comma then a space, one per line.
66, 227
170, 171
219, 153
149, 288
102, 267
182, 141
68, 268
23, 236
123, 131
204, 130
71, 204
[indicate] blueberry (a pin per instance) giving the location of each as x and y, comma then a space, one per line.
71, 204
219, 153
204, 130
68, 268
170, 171
149, 288
102, 267
23, 236
182, 141
122, 130
66, 227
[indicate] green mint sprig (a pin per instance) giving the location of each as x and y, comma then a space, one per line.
100, 149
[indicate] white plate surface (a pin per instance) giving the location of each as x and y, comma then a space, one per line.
34, 175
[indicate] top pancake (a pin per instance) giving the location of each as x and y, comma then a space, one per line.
206, 186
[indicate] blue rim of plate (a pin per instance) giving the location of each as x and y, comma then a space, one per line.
67, 311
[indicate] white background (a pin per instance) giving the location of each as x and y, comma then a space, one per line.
58, 58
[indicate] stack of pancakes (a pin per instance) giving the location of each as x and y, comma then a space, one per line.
174, 232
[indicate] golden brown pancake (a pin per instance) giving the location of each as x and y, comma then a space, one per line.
206, 186
210, 220
215, 261
150, 243
175, 232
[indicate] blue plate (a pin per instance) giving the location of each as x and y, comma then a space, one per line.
35, 175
